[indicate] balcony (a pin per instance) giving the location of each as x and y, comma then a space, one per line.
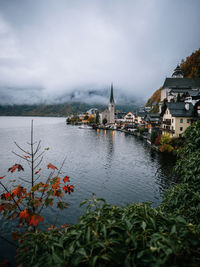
167, 122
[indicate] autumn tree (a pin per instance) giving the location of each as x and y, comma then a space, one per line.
25, 203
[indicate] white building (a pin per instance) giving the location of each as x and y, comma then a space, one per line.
109, 114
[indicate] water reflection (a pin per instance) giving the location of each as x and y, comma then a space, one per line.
120, 168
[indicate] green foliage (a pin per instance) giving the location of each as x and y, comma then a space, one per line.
97, 118
142, 130
107, 235
155, 109
153, 136
188, 165
177, 142
165, 139
134, 235
163, 107
104, 121
184, 200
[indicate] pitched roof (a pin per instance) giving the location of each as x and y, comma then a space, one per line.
111, 94
182, 83
193, 92
178, 109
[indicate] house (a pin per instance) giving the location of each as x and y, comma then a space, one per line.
139, 118
176, 87
153, 121
129, 118
109, 114
177, 118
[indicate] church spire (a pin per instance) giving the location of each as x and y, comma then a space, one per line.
178, 72
111, 94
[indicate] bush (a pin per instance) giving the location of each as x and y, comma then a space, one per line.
142, 130
153, 136
157, 141
184, 200
166, 148
107, 235
165, 139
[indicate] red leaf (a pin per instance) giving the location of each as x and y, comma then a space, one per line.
27, 157
37, 171
66, 179
35, 220
24, 214
68, 189
51, 166
2, 177
16, 167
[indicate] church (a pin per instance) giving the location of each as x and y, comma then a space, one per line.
108, 115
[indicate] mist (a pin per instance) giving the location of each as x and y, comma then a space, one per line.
55, 51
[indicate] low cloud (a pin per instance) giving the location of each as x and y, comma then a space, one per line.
50, 50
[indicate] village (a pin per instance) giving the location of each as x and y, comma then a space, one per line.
178, 108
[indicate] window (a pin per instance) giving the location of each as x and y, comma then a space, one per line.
172, 120
188, 120
181, 129
181, 120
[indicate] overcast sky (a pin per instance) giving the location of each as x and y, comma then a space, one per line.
53, 47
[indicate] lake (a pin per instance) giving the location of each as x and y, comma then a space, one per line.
115, 166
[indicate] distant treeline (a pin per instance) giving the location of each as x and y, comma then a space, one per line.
65, 109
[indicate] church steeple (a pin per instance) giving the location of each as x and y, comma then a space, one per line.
111, 94
178, 73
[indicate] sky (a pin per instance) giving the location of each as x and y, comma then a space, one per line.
50, 49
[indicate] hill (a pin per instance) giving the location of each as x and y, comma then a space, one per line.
191, 66
56, 110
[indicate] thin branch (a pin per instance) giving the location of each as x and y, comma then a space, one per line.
10, 195
51, 174
39, 156
22, 149
38, 148
30, 143
37, 178
38, 163
25, 180
59, 171
20, 156
10, 242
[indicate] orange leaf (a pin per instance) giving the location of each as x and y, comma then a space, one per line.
16, 167
18, 191
51, 166
2, 177
35, 219
37, 171
27, 157
24, 214
66, 179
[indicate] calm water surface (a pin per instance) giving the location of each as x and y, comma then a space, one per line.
115, 166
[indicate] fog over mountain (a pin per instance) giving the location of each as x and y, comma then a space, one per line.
56, 51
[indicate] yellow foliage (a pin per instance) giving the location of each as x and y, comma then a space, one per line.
154, 98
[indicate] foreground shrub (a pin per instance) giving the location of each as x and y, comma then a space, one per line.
107, 235
183, 199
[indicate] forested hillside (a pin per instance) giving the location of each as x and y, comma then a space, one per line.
191, 69
191, 66
62, 110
